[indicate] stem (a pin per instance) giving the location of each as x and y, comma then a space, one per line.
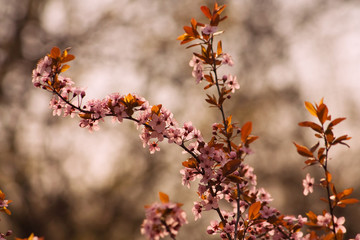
168, 230
221, 108
327, 148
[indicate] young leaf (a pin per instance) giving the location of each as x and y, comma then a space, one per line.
206, 11
219, 48
236, 179
55, 52
344, 202
230, 167
335, 122
164, 198
322, 113
312, 125
310, 108
303, 151
254, 210
64, 68
190, 163
245, 131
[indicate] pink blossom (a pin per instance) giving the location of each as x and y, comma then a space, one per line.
153, 147
308, 184
324, 220
226, 59
163, 219
196, 210
208, 29
264, 196
213, 228
194, 61
188, 176
267, 212
232, 83
92, 125
197, 73
339, 224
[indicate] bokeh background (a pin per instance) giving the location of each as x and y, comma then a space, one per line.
69, 184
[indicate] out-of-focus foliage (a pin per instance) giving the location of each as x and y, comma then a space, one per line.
80, 186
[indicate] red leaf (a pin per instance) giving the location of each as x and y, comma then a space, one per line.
322, 113
230, 167
206, 11
190, 163
303, 151
312, 125
189, 31
348, 201
335, 122
245, 131
164, 198
55, 52
254, 210
236, 179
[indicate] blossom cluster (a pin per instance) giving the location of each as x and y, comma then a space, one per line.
163, 219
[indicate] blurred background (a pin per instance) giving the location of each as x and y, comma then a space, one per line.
69, 184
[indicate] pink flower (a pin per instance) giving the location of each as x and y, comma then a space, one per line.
163, 219
232, 83
157, 123
196, 210
153, 147
308, 184
197, 73
92, 125
213, 228
188, 176
194, 61
264, 196
339, 224
267, 212
324, 220
226, 59
208, 29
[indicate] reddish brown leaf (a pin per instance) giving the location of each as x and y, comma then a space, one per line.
303, 151
310, 162
312, 216
164, 198
254, 210
341, 139
190, 163
251, 139
312, 125
55, 52
193, 23
348, 201
335, 122
67, 58
220, 9
219, 48
236, 179
206, 11
322, 113
189, 31
348, 191
231, 167
245, 131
